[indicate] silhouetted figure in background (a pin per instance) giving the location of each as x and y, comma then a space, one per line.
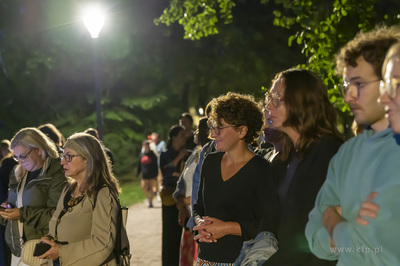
7, 163
186, 121
94, 133
54, 134
148, 166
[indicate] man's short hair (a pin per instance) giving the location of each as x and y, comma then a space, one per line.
371, 45
187, 116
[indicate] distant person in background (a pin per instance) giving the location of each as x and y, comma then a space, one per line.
183, 194
171, 164
94, 133
7, 164
148, 166
207, 148
54, 134
186, 121
159, 145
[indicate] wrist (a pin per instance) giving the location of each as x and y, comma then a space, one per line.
330, 219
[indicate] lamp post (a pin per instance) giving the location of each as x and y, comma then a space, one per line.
94, 21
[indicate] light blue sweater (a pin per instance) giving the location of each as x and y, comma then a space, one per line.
367, 163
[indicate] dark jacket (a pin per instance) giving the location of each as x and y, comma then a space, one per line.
6, 167
308, 178
39, 199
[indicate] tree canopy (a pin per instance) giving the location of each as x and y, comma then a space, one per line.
321, 27
149, 74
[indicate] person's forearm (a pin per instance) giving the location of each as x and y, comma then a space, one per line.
180, 202
330, 219
233, 228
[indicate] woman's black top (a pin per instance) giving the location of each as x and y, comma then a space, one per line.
246, 198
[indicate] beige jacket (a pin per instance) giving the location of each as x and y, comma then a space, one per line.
90, 233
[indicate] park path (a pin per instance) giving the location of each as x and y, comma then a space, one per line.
144, 228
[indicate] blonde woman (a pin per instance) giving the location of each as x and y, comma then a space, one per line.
37, 181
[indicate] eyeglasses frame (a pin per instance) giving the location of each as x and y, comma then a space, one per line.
69, 156
22, 157
274, 99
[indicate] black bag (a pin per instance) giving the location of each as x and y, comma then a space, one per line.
121, 249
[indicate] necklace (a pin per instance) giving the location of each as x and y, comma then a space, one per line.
74, 200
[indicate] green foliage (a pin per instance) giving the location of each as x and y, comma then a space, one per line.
322, 28
199, 18
131, 192
47, 54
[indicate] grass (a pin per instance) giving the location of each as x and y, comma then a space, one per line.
131, 193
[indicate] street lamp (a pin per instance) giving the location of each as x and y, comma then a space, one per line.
94, 20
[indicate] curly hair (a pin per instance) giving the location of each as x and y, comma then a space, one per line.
240, 110
309, 110
371, 45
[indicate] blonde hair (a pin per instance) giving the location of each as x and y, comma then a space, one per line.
394, 51
32, 138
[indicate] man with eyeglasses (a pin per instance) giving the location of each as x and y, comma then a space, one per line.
363, 165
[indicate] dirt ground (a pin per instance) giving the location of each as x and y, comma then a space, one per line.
144, 232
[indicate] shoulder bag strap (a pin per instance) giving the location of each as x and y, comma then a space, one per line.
19, 205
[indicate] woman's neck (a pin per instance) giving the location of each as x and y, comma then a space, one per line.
76, 192
240, 154
293, 135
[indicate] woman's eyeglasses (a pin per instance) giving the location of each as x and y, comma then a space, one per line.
273, 98
22, 157
389, 86
217, 130
68, 157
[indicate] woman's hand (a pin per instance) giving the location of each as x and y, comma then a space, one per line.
211, 229
10, 214
203, 235
368, 209
48, 238
54, 252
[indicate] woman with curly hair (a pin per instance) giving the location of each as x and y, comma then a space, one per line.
234, 194
298, 106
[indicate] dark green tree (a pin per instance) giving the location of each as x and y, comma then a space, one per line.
321, 27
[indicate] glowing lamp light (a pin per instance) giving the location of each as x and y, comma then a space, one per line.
94, 21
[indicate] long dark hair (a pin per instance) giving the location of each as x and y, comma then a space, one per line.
310, 112
173, 132
204, 131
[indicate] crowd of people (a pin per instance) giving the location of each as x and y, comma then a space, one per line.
48, 187
299, 193
271, 184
